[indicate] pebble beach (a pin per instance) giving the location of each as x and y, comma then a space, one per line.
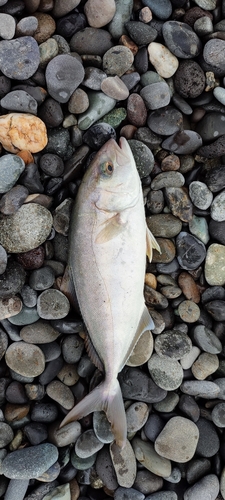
74, 74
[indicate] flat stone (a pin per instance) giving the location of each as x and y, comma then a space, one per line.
203, 389
168, 179
20, 101
117, 60
102, 427
52, 304
205, 365
100, 104
162, 59
98, 14
59, 392
162, 9
200, 195
189, 311
208, 443
198, 227
218, 207
26, 229
66, 435
211, 127
178, 440
213, 53
189, 44
143, 156
124, 463
136, 385
183, 142
19, 58
141, 33
105, 469
206, 339
156, 95
191, 251
165, 121
209, 484
29, 462
136, 110
12, 280
26, 359
101, 41
11, 167
64, 74
164, 225
136, 415
87, 444
214, 265
173, 344
167, 373
10, 307
22, 131
142, 350
149, 457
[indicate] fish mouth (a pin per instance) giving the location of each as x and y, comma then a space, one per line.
125, 148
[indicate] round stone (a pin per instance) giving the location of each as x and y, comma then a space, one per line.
52, 304
143, 156
11, 167
78, 102
22, 131
173, 344
136, 110
156, 95
101, 41
213, 54
66, 435
200, 195
60, 393
167, 373
19, 58
99, 14
6, 434
164, 225
26, 229
162, 59
138, 386
181, 40
218, 415
211, 127
209, 443
12, 280
40, 332
136, 415
162, 9
26, 359
114, 87
189, 311
117, 60
29, 462
178, 440
189, 80
102, 427
141, 33
165, 121
150, 458
64, 74
97, 135
26, 316
191, 252
87, 444
200, 388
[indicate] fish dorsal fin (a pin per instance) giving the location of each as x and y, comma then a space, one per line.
151, 243
67, 287
92, 353
145, 323
112, 228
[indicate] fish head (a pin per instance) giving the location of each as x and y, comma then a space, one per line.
114, 177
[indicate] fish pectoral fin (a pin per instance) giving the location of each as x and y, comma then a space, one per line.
145, 323
113, 227
106, 398
151, 243
92, 353
67, 287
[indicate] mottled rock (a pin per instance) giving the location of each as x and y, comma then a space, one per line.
26, 359
22, 131
178, 440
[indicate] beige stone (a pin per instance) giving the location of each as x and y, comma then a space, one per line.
142, 350
162, 59
205, 365
99, 12
10, 307
22, 131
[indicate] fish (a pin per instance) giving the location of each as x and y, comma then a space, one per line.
108, 244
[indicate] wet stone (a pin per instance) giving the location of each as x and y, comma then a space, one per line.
165, 121
52, 304
208, 444
215, 178
19, 58
214, 149
11, 167
138, 386
178, 440
29, 462
25, 359
148, 456
156, 95
143, 156
173, 344
191, 251
97, 135
167, 373
72, 74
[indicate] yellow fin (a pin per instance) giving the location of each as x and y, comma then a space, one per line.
112, 228
145, 323
151, 243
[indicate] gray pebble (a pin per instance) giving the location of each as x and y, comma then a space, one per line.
26, 316
149, 457
138, 386
29, 462
16, 489
64, 74
189, 407
29, 296
13, 199
213, 54
136, 416
52, 369
211, 126
19, 58
87, 444
124, 463
44, 412
105, 469
122, 15
82, 463
201, 388
206, 339
42, 278
218, 207
26, 26
12, 280
3, 343
101, 41
60, 393
200, 195
143, 156
173, 344
20, 101
164, 225
40, 332
156, 95
218, 415
178, 440
141, 33
102, 427
6, 434
183, 142
167, 179
72, 347
100, 104
198, 227
163, 495
11, 167
93, 78
3, 259
181, 40
128, 494
168, 404
167, 373
52, 304
66, 435
117, 60
208, 485
25, 359
165, 121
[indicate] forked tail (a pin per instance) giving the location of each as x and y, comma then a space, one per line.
108, 398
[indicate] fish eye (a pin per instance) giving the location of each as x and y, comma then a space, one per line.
106, 168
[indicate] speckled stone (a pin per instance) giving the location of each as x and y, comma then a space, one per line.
178, 440
189, 80
167, 373
124, 463
214, 265
10, 307
26, 229
117, 60
19, 58
201, 388
52, 304
149, 457
173, 344
206, 339
11, 167
218, 207
26, 359
191, 251
209, 484
200, 195
213, 53
205, 365
22, 131
59, 392
64, 74
29, 462
136, 415
143, 156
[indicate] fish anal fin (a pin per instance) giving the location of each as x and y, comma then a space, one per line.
151, 243
67, 287
145, 323
92, 353
107, 397
112, 228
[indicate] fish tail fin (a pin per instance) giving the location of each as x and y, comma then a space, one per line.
108, 398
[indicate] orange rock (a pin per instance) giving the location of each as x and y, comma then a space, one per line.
189, 287
151, 280
22, 131
26, 156
127, 42
128, 131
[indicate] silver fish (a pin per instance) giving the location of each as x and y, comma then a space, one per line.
109, 241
